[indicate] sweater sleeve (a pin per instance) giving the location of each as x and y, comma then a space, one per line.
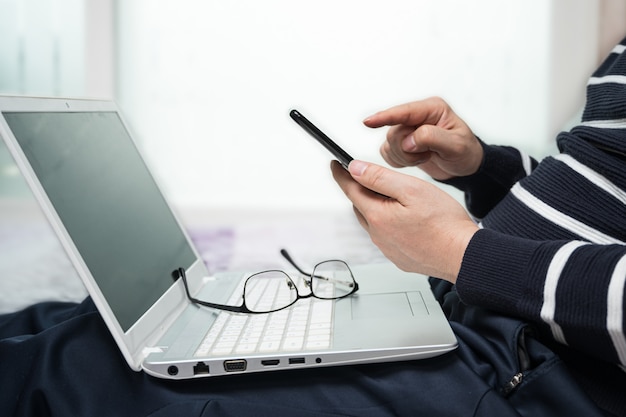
502, 166
552, 247
575, 288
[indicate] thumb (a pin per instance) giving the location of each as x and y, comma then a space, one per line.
379, 179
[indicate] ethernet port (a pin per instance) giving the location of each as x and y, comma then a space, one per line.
200, 368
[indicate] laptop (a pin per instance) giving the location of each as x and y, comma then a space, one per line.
126, 244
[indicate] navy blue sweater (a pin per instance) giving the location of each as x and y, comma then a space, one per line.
552, 244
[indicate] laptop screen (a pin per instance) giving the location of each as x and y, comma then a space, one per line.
109, 203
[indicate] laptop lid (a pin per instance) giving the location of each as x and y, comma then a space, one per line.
107, 209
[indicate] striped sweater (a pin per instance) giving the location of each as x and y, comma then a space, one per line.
552, 244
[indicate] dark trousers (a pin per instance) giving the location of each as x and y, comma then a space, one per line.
58, 359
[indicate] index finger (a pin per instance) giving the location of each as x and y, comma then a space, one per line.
416, 113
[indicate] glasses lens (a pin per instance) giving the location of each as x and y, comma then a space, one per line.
332, 279
269, 291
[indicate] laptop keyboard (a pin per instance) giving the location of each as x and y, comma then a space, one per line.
307, 325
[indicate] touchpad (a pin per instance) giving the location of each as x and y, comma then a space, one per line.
401, 304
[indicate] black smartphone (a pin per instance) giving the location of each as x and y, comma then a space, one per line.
342, 156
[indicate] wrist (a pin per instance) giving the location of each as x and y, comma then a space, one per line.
478, 157
459, 242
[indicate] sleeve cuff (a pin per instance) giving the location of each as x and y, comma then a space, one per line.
495, 269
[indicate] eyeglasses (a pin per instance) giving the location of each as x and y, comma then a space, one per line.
274, 290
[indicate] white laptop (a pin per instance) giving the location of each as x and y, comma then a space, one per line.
130, 251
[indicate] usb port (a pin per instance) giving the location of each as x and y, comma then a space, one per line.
270, 362
294, 361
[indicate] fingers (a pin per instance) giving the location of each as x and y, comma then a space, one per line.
381, 180
418, 128
352, 189
398, 158
407, 146
349, 187
430, 135
367, 183
429, 111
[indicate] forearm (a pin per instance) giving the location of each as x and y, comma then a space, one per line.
572, 288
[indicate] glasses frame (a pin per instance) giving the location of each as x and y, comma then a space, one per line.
243, 308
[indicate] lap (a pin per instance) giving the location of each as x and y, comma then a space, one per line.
59, 359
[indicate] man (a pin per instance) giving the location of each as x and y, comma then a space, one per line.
551, 244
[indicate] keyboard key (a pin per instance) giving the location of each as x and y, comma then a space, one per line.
293, 343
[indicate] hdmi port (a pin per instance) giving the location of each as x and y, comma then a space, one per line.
270, 362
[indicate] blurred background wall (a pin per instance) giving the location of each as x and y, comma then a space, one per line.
206, 85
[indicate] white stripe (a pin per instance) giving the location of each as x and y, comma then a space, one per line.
526, 162
563, 220
618, 49
606, 124
552, 281
598, 180
615, 79
615, 309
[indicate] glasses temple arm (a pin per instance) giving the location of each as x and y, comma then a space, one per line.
181, 274
309, 274
292, 262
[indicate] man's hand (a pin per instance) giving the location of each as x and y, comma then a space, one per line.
430, 135
419, 227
